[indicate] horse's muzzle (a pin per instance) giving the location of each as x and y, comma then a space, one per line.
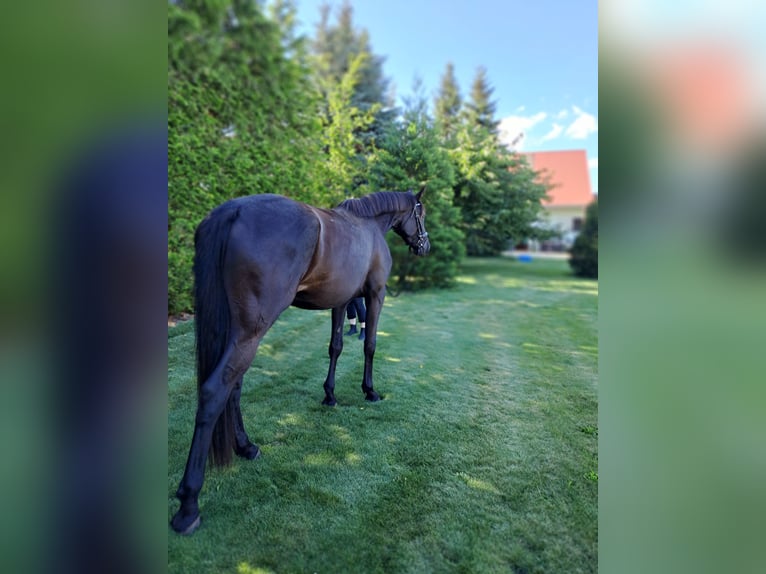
422, 247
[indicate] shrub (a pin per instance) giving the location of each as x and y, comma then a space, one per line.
408, 157
584, 252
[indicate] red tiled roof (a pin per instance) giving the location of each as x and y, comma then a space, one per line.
568, 172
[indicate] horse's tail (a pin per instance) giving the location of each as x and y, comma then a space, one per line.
212, 320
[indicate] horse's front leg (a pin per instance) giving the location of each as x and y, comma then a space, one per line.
374, 305
336, 347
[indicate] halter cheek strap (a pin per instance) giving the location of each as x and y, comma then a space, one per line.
422, 233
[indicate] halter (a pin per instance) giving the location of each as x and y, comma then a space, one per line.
422, 233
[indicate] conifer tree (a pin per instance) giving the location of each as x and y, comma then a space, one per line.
447, 106
342, 170
497, 192
480, 109
584, 253
336, 45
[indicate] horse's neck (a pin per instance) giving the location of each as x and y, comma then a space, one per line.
386, 221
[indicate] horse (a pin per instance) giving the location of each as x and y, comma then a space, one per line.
256, 256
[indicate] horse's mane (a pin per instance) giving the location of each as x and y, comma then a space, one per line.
379, 202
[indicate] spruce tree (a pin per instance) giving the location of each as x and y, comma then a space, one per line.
342, 169
447, 106
481, 109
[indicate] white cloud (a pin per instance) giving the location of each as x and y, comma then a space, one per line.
555, 132
583, 125
562, 114
593, 163
512, 127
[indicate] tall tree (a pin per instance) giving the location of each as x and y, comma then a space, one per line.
481, 109
335, 47
342, 169
584, 252
497, 192
447, 106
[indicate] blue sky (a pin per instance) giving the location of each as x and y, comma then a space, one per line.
541, 58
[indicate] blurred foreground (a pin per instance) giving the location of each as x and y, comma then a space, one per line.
83, 222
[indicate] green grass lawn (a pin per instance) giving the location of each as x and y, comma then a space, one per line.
482, 457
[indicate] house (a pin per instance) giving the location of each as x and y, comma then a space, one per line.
567, 173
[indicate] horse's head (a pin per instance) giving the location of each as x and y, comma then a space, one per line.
412, 227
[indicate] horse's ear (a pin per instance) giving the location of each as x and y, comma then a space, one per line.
420, 193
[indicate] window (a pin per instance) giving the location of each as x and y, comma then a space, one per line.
577, 224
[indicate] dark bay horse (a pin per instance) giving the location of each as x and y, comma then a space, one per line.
254, 257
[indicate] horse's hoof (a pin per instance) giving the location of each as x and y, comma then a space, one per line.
372, 396
182, 525
250, 452
329, 402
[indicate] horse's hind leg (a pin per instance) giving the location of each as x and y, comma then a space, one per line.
242, 446
336, 347
374, 306
214, 394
